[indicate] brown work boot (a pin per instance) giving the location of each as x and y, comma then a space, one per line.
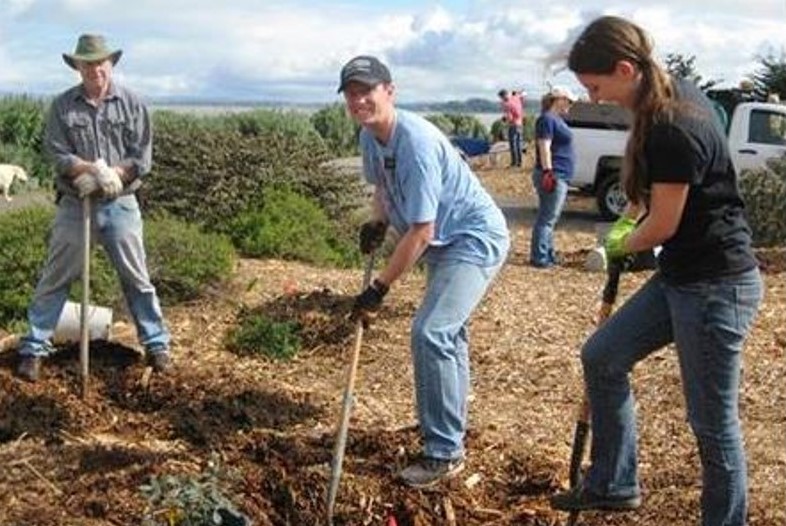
29, 368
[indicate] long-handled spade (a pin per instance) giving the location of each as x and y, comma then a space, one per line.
343, 427
581, 432
84, 338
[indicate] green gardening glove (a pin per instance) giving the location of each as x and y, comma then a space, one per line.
617, 236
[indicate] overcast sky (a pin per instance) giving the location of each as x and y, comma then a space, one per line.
292, 50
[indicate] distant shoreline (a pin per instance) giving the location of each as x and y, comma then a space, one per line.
486, 118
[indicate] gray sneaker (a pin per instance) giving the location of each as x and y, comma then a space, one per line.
429, 472
160, 361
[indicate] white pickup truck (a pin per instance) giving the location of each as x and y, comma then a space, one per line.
757, 132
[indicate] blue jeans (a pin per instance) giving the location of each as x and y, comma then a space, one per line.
440, 353
708, 321
514, 141
117, 225
550, 207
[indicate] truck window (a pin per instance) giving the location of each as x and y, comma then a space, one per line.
767, 127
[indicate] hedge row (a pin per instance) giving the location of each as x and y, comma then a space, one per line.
182, 260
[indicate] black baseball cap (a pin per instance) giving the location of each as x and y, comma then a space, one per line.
365, 69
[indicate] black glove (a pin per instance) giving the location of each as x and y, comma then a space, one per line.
368, 302
372, 235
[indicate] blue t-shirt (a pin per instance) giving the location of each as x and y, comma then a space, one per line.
423, 179
563, 159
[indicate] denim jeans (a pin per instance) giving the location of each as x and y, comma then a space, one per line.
117, 225
514, 141
440, 353
708, 321
550, 207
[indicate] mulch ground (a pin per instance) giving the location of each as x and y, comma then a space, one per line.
269, 426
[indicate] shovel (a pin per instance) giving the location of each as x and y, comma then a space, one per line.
341, 437
581, 432
84, 321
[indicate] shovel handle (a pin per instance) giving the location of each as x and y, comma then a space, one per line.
581, 433
343, 428
84, 338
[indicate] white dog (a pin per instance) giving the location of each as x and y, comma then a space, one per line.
9, 172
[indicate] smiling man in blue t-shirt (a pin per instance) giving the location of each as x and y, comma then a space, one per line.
436, 205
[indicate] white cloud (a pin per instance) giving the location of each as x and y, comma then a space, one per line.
15, 7
293, 49
80, 6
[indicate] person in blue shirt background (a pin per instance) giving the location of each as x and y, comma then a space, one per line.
554, 166
441, 213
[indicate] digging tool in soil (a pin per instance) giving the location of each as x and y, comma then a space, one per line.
581, 433
84, 321
343, 427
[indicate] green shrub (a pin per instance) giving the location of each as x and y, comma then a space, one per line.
21, 135
764, 192
285, 124
181, 260
337, 129
287, 226
499, 129
24, 247
22, 121
226, 163
460, 125
257, 334
442, 122
24, 237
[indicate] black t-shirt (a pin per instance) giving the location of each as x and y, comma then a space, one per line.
713, 238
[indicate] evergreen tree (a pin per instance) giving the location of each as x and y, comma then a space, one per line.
770, 78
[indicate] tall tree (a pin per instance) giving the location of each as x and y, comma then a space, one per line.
682, 67
771, 76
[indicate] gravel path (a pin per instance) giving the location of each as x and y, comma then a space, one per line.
35, 197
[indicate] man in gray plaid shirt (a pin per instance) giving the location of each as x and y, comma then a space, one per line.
98, 136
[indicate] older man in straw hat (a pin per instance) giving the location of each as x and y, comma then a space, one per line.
99, 139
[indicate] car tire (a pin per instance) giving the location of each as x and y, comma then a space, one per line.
610, 196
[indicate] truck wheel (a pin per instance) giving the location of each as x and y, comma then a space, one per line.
610, 197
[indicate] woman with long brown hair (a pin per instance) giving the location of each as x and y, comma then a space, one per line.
683, 195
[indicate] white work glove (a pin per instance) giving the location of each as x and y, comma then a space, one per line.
85, 185
108, 179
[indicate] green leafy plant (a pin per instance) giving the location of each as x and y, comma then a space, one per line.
258, 334
190, 499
